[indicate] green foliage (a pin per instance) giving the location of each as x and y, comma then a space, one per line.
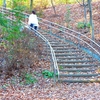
47, 74
19, 8
12, 28
37, 4
60, 67
3, 20
16, 3
64, 1
29, 79
71, 1
88, 25
11, 36
82, 25
1, 2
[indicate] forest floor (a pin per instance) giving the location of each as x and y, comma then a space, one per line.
45, 88
75, 14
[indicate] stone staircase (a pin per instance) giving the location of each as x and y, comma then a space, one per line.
75, 65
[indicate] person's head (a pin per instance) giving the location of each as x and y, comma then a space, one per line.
33, 12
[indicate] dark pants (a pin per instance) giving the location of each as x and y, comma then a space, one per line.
32, 25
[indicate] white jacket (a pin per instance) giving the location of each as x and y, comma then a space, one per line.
33, 20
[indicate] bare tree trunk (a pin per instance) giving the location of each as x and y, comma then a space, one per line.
91, 21
53, 7
4, 3
31, 4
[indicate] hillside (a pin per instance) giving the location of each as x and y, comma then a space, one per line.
15, 87
76, 15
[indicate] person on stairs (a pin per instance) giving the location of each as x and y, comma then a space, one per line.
33, 21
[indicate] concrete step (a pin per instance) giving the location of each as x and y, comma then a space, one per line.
60, 45
56, 43
76, 70
69, 54
76, 65
78, 75
80, 81
73, 57
74, 61
65, 48
61, 51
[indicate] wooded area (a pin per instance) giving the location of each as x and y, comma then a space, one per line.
26, 64
40, 5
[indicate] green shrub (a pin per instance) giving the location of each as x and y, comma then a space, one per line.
60, 67
29, 79
47, 74
88, 25
82, 25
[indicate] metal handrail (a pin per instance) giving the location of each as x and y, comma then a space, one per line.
52, 23
75, 37
69, 30
56, 69
62, 27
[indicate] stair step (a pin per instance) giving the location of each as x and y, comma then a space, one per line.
76, 70
78, 75
50, 38
74, 61
80, 81
66, 54
73, 57
46, 34
60, 51
57, 43
65, 48
76, 65
61, 46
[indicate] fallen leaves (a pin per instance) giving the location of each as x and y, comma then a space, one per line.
76, 15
